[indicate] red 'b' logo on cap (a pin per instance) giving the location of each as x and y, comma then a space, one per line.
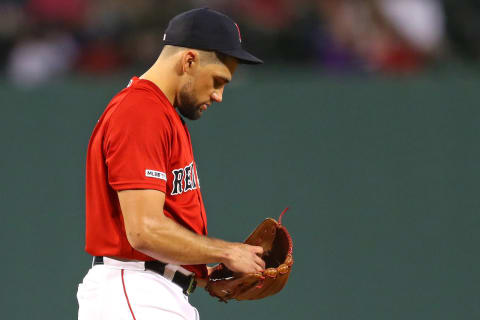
239, 35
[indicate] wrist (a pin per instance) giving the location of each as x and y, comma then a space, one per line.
225, 252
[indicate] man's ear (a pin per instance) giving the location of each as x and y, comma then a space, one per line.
189, 60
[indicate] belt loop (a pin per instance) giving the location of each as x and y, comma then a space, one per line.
170, 271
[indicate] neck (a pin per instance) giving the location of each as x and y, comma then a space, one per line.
162, 74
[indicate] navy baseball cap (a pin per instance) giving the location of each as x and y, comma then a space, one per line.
209, 30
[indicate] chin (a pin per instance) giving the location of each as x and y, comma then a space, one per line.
191, 114
194, 116
197, 114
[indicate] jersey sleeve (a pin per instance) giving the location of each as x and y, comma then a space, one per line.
137, 144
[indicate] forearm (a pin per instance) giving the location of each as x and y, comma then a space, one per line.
167, 241
149, 231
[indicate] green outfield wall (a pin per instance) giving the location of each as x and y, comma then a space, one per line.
381, 175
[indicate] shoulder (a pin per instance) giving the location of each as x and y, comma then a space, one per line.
140, 105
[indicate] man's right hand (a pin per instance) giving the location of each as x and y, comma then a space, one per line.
244, 258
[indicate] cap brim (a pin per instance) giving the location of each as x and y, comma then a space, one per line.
242, 56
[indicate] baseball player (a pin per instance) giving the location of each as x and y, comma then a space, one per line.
146, 225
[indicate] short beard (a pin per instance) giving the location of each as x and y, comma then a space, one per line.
186, 103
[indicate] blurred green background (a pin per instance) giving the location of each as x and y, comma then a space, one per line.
381, 175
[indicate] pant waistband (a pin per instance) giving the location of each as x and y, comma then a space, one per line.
175, 273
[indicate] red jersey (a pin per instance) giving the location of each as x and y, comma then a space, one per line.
140, 142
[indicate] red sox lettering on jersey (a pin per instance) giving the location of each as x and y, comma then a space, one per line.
184, 179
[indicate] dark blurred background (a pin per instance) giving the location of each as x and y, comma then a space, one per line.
364, 120
43, 39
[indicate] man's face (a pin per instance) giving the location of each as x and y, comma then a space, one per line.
203, 86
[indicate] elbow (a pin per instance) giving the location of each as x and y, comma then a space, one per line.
143, 233
140, 233
137, 240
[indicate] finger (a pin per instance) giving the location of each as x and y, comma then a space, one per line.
257, 249
260, 262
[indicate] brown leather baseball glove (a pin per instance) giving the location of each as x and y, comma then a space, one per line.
277, 246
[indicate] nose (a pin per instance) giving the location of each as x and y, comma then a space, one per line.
217, 95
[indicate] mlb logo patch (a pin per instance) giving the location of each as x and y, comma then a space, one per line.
155, 174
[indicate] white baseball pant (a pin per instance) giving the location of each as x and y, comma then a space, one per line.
120, 290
